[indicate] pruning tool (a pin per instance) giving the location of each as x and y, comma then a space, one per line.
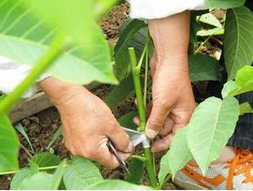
136, 138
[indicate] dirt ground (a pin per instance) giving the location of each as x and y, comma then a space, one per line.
41, 127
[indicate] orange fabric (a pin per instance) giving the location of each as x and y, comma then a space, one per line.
200, 179
242, 163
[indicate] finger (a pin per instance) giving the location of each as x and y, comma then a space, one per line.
106, 158
120, 140
162, 144
156, 120
136, 121
167, 128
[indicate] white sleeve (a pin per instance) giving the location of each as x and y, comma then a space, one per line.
12, 73
154, 9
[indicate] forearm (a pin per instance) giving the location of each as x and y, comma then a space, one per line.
59, 91
171, 38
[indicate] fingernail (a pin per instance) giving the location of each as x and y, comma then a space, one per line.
150, 133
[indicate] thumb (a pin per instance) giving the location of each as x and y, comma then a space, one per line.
156, 120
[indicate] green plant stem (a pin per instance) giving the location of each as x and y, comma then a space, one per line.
137, 84
138, 157
50, 56
142, 114
146, 78
40, 168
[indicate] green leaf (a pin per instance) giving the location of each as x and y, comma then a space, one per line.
85, 172
25, 38
245, 108
228, 88
224, 4
9, 145
211, 32
20, 129
132, 34
127, 120
203, 67
136, 169
195, 27
56, 135
206, 138
28, 179
244, 78
238, 40
121, 92
172, 162
39, 181
19, 177
34, 168
209, 19
116, 185
46, 159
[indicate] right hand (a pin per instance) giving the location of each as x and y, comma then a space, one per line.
88, 124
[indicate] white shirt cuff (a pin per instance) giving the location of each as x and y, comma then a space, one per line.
12, 73
155, 9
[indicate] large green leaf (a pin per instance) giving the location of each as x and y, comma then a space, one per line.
203, 67
211, 125
132, 34
116, 185
9, 145
224, 4
238, 40
85, 172
121, 92
25, 38
176, 158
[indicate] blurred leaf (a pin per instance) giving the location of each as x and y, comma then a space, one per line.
56, 135
9, 145
209, 19
85, 172
33, 167
238, 40
116, 185
102, 6
46, 159
136, 169
172, 162
132, 34
127, 120
120, 92
20, 129
245, 108
224, 4
204, 67
206, 138
25, 38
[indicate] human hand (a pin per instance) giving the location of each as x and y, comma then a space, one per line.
172, 100
87, 123
172, 97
